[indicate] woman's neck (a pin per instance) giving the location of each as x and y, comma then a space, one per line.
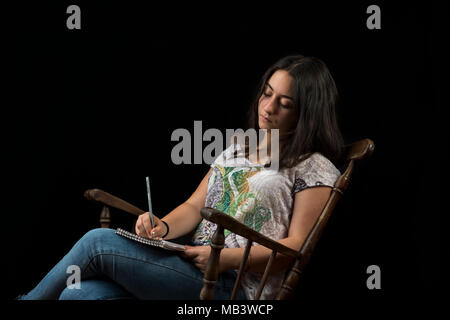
265, 146
265, 142
263, 150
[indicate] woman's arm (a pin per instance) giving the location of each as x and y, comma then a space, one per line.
308, 204
181, 220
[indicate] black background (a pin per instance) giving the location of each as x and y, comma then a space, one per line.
96, 108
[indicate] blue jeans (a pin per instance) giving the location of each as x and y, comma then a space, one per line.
114, 267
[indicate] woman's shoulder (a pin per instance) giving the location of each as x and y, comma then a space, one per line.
316, 170
317, 161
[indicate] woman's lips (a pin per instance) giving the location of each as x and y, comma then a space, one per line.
265, 119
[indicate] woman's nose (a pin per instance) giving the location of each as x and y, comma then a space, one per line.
270, 106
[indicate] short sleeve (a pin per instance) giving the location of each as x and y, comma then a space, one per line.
315, 171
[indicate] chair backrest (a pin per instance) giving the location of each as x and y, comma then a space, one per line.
356, 151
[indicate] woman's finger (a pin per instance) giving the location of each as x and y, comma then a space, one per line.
144, 232
201, 267
136, 226
156, 233
186, 252
189, 253
139, 227
159, 229
148, 224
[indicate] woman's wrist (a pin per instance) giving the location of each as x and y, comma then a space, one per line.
167, 228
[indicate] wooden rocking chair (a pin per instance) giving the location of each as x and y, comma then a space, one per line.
356, 151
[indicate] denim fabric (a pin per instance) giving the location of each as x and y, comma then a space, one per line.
114, 267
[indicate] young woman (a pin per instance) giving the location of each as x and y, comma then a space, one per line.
297, 96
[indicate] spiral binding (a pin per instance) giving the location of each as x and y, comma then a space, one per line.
135, 237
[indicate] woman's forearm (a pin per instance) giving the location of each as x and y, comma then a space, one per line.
230, 258
182, 220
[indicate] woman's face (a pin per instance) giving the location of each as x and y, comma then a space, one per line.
276, 109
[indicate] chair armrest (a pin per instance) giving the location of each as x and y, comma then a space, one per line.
111, 201
241, 229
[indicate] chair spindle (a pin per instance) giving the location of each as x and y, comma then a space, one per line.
241, 269
265, 275
105, 217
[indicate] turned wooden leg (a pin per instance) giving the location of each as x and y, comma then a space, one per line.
105, 217
212, 268
291, 281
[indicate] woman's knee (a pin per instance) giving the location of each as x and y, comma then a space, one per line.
97, 234
94, 241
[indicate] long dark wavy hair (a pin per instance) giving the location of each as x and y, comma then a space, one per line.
315, 96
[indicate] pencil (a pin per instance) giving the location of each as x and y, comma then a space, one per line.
149, 198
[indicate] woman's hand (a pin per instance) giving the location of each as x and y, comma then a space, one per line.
144, 227
199, 255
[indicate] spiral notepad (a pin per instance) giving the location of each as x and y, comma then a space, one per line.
151, 242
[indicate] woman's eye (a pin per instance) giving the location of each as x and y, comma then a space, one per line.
286, 106
266, 94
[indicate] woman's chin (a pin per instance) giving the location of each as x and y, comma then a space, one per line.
263, 125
